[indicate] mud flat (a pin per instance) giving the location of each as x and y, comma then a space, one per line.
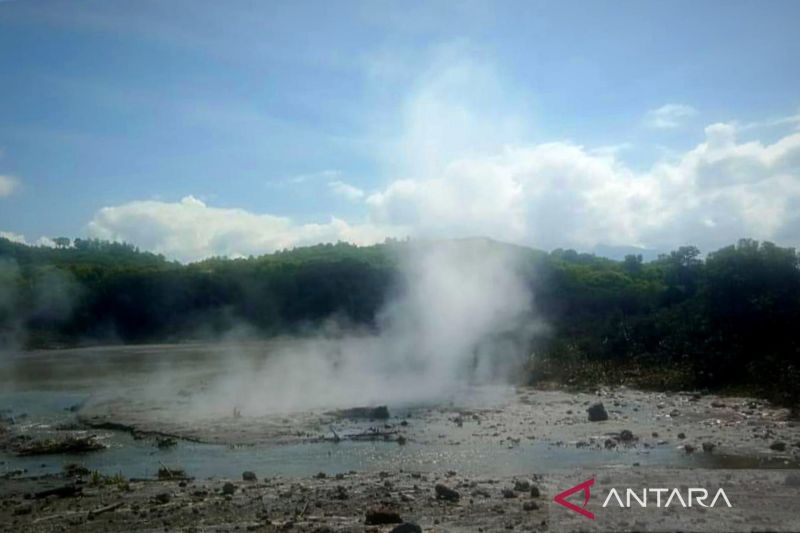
718, 429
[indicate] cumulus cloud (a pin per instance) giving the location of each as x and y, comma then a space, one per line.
8, 184
346, 190
562, 194
669, 116
190, 230
462, 167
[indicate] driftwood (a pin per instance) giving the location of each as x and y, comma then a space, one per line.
106, 509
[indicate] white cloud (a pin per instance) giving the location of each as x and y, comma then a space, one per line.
346, 190
669, 116
190, 230
313, 176
8, 184
548, 195
561, 194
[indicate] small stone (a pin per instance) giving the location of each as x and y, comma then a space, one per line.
778, 446
522, 485
249, 476
708, 447
228, 488
509, 493
626, 435
681, 435
688, 448
535, 492
530, 506
163, 497
597, 412
610, 443
443, 492
380, 516
23, 510
792, 480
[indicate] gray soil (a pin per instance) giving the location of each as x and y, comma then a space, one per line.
489, 445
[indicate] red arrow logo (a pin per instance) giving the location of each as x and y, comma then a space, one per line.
561, 498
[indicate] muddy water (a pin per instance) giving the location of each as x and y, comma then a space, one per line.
41, 391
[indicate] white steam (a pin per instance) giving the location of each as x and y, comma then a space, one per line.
463, 316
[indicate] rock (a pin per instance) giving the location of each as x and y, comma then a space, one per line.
407, 527
166, 442
674, 413
626, 435
163, 497
535, 492
483, 493
718, 404
75, 470
380, 412
778, 446
228, 488
67, 491
681, 435
522, 485
247, 475
23, 509
509, 493
401, 440
382, 515
708, 447
171, 473
688, 448
340, 493
792, 480
610, 443
443, 492
530, 506
597, 412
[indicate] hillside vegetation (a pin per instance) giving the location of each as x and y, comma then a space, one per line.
726, 321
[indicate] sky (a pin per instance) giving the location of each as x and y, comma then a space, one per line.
199, 128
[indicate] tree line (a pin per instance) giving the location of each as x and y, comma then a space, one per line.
724, 320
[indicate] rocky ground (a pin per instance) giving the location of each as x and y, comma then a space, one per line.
635, 420
724, 432
384, 501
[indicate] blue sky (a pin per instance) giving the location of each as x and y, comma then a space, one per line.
238, 127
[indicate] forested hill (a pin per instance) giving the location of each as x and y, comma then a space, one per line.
729, 319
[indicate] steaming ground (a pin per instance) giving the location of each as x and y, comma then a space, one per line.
479, 439
444, 358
